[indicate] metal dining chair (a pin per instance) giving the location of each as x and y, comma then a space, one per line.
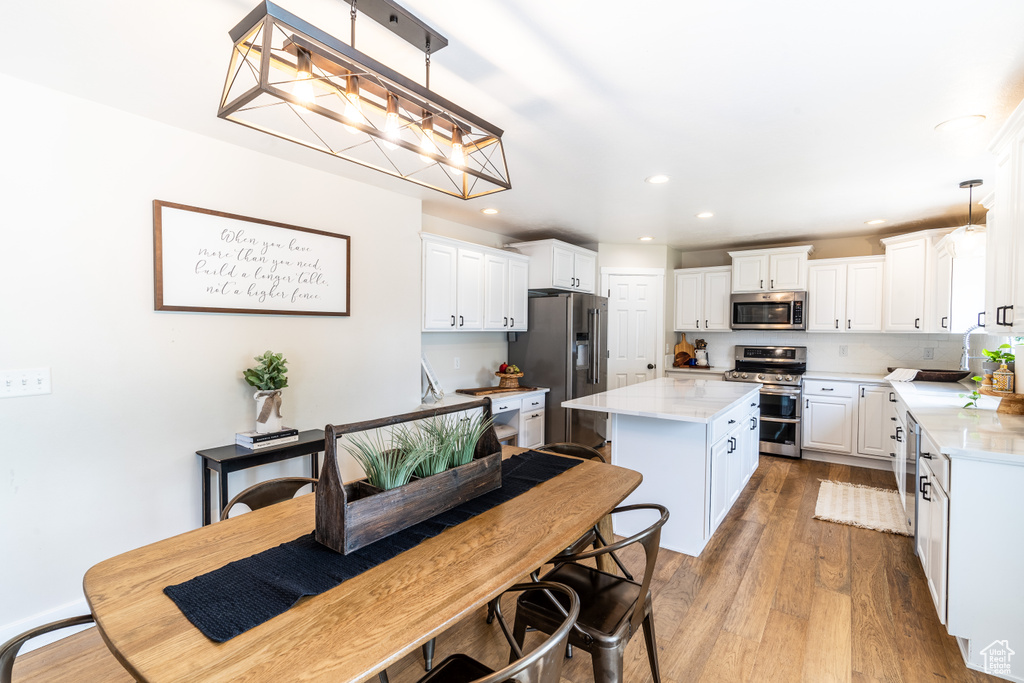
542, 665
268, 493
612, 607
9, 650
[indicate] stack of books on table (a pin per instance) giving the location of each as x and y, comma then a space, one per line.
255, 440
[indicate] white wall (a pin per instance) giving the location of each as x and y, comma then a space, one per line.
479, 353
107, 462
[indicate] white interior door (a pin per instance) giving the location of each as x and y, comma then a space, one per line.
635, 310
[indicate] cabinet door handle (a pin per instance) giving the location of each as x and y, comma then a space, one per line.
942, 323
862, 392
753, 422
899, 434
808, 406
752, 405
828, 389
926, 455
892, 399
453, 321
696, 324
535, 415
462, 321
924, 488
893, 418
837, 323
917, 323
761, 286
1006, 320
892, 455
981, 324
848, 324
998, 319
732, 422
506, 321
771, 284
705, 324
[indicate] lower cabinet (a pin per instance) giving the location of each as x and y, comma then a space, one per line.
734, 458
525, 413
933, 535
531, 428
849, 418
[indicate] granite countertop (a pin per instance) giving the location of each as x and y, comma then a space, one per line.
846, 376
668, 398
977, 433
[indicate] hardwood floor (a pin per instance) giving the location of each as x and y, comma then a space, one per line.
776, 596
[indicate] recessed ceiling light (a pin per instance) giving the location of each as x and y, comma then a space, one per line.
961, 122
646, 239
489, 212
705, 214
658, 179
875, 221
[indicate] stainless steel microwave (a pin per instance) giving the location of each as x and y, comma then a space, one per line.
768, 311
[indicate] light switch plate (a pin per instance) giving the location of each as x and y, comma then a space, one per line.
29, 382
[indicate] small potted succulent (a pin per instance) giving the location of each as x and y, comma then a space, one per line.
268, 376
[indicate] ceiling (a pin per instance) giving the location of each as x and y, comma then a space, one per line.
789, 120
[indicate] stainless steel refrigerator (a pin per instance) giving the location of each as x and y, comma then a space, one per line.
566, 349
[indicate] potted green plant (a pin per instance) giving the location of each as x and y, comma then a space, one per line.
1003, 354
268, 376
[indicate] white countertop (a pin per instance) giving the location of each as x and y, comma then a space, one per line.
977, 433
846, 377
453, 398
696, 370
669, 398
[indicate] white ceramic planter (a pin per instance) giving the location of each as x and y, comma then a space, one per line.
268, 409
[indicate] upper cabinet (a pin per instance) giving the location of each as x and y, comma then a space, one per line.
702, 299
469, 287
1005, 252
559, 265
765, 270
845, 294
959, 287
908, 301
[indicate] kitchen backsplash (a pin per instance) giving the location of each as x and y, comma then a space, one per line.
864, 353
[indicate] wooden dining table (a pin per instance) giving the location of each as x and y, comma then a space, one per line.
352, 631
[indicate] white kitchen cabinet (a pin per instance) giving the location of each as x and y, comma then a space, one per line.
733, 459
1005, 253
468, 287
872, 421
518, 293
440, 272
933, 535
959, 289
763, 270
496, 292
909, 281
531, 432
829, 416
702, 299
559, 265
721, 456
845, 295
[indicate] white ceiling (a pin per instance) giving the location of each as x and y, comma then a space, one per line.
789, 120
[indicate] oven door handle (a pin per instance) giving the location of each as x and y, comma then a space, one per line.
782, 392
787, 420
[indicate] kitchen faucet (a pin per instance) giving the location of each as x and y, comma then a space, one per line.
966, 357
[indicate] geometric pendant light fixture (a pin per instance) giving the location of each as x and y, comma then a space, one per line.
294, 81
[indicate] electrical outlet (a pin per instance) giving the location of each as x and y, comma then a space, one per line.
31, 382
844, 351
929, 353
458, 362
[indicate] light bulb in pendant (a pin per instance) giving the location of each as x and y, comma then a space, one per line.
427, 145
458, 155
302, 88
391, 121
354, 106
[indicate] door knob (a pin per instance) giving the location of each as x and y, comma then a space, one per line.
650, 366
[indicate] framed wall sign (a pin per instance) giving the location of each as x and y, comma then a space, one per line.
218, 262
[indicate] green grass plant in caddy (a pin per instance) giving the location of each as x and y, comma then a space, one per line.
269, 374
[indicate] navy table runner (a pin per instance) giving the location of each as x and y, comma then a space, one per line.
245, 593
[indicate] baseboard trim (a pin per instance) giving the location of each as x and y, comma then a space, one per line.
851, 460
71, 609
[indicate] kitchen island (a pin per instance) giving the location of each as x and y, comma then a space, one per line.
694, 440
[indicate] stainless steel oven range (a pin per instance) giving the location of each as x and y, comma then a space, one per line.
779, 370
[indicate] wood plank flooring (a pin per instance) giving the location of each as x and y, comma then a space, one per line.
776, 596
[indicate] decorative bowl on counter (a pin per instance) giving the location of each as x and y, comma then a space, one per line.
939, 375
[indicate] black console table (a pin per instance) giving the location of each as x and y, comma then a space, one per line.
228, 459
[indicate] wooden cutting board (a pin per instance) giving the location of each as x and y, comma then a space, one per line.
683, 347
483, 391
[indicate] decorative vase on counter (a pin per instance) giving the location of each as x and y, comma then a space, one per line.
268, 411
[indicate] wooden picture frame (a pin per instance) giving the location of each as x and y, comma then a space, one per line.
215, 262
